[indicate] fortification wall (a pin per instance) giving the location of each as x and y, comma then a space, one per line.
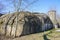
18, 24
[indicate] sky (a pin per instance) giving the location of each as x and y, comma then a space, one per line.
42, 6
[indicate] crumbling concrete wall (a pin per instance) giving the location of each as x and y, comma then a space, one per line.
21, 23
46, 21
52, 16
27, 23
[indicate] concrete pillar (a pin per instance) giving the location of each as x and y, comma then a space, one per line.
52, 16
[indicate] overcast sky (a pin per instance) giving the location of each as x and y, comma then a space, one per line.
39, 5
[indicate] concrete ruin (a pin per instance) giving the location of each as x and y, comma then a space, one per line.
52, 16
27, 23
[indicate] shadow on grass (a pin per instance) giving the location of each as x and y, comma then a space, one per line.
45, 37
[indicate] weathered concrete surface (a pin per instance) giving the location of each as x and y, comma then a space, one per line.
52, 16
27, 23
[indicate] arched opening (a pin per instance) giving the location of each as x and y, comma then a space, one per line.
32, 25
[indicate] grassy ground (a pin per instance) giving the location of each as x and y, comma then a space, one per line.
47, 35
53, 35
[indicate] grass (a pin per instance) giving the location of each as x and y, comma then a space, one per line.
53, 34
47, 35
